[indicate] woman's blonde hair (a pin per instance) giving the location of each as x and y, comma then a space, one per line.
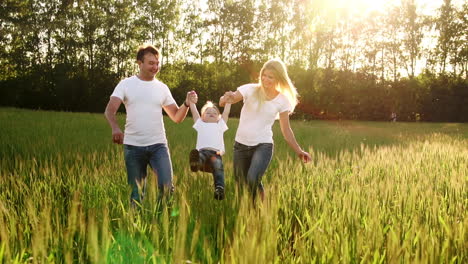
284, 83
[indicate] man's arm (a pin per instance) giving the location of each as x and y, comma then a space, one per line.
110, 114
176, 113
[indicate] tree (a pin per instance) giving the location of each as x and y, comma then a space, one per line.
393, 41
158, 20
413, 34
460, 42
445, 25
190, 33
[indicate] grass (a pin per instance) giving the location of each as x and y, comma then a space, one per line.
374, 193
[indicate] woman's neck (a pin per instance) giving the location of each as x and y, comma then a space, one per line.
271, 93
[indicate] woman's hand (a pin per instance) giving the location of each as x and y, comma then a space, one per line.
304, 156
230, 97
227, 98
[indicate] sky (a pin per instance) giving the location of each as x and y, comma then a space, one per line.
366, 6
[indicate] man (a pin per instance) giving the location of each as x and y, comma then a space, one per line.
145, 140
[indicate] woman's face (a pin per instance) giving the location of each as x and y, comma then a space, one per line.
210, 115
268, 79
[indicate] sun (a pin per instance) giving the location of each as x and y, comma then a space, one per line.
364, 7
356, 7
375, 5
370, 6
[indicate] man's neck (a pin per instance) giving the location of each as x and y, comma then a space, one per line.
145, 78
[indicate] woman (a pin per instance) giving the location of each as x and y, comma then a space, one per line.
273, 96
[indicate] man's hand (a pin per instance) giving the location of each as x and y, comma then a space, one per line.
192, 97
117, 136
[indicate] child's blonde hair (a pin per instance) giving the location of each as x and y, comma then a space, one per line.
284, 86
209, 104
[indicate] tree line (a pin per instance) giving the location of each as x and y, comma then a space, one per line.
69, 54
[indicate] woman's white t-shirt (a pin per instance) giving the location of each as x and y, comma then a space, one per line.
257, 120
210, 135
143, 102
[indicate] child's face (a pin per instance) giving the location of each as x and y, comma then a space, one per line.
210, 115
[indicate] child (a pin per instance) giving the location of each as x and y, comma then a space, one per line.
210, 144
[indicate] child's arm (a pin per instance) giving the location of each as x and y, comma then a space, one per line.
227, 109
195, 114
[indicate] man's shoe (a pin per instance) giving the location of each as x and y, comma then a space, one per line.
194, 158
219, 193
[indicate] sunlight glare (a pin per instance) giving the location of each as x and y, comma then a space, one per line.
364, 7
359, 7
367, 6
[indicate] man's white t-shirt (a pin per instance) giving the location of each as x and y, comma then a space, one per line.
210, 135
143, 102
257, 120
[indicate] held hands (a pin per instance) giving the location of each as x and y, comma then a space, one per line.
117, 136
304, 156
192, 98
228, 97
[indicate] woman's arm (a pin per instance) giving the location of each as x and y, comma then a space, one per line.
232, 97
288, 135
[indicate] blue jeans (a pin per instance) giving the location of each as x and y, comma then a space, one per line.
250, 163
212, 161
137, 160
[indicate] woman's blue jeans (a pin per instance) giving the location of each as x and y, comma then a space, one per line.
137, 160
250, 163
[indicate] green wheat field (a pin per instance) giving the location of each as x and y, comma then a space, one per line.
374, 193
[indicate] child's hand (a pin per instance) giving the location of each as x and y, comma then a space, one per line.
192, 97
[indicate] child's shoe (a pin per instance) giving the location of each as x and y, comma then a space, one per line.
219, 193
194, 158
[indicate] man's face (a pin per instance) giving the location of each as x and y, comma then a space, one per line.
149, 66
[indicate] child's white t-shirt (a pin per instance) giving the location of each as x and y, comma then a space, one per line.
143, 102
256, 121
210, 135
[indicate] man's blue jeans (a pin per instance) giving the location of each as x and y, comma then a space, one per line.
250, 163
137, 160
212, 161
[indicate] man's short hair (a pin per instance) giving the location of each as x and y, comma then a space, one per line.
145, 49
